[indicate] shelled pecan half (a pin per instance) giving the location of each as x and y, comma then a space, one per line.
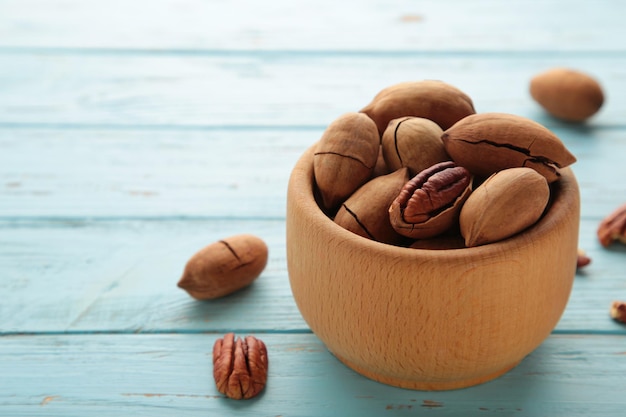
613, 227
430, 202
239, 366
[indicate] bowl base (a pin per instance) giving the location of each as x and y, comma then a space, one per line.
427, 385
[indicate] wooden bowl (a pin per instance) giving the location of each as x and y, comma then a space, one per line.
430, 319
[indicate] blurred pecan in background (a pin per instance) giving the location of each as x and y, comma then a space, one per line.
582, 260
613, 227
618, 311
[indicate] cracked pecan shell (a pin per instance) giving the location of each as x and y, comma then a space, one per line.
413, 142
345, 157
430, 202
365, 211
240, 366
489, 142
224, 267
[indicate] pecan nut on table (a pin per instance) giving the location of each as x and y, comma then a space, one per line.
240, 366
613, 227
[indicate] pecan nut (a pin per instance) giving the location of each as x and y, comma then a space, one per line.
438, 101
224, 267
345, 157
505, 204
413, 142
365, 211
567, 94
582, 259
613, 227
239, 366
618, 311
429, 204
490, 142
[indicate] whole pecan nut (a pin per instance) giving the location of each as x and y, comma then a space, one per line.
365, 211
413, 142
613, 227
239, 366
429, 204
345, 157
486, 143
438, 101
508, 202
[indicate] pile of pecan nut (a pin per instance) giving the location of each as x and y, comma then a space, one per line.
418, 165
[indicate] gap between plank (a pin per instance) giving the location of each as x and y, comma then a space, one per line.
309, 54
555, 332
150, 332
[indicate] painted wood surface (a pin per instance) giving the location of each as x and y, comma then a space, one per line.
430, 25
162, 375
217, 173
120, 276
73, 89
134, 133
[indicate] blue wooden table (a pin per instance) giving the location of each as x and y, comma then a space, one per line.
134, 133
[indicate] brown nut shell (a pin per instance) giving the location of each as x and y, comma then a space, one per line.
345, 157
435, 100
567, 94
429, 203
413, 142
381, 167
224, 267
505, 204
365, 212
489, 142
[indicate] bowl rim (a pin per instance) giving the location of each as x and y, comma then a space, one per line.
564, 199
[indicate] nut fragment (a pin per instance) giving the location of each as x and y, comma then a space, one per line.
582, 259
567, 94
224, 267
618, 311
345, 157
489, 142
440, 102
613, 227
429, 203
240, 366
505, 204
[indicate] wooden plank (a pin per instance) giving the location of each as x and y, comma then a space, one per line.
121, 275
164, 374
309, 25
260, 90
226, 173
154, 173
